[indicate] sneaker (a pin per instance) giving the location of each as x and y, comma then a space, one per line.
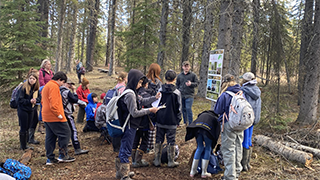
51, 162
80, 151
66, 159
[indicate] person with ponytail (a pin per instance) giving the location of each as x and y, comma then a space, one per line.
231, 141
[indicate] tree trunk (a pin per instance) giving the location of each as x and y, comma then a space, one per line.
73, 36
237, 25
207, 38
287, 152
255, 40
162, 34
60, 36
186, 22
109, 35
94, 10
309, 101
43, 9
306, 34
112, 42
224, 37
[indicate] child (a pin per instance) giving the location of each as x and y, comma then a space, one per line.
130, 104
83, 91
90, 109
68, 99
168, 119
142, 132
231, 147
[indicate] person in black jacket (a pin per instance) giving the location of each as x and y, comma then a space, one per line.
205, 128
28, 97
167, 119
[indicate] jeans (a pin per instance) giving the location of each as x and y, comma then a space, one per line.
56, 130
170, 135
126, 144
187, 110
207, 149
247, 137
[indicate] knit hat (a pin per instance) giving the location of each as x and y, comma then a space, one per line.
228, 78
248, 76
84, 81
170, 75
102, 95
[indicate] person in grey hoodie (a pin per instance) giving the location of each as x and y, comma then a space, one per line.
252, 94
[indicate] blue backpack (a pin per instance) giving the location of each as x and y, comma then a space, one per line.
213, 166
111, 93
15, 96
15, 169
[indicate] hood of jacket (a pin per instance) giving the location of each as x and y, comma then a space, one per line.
168, 88
134, 77
234, 88
90, 100
252, 91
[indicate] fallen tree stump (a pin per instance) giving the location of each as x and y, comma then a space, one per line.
287, 152
25, 158
103, 70
315, 152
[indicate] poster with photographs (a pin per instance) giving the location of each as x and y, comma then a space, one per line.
214, 74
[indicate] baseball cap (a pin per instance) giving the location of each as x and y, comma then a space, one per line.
170, 75
70, 82
248, 76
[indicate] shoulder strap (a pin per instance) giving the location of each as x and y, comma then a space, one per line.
43, 73
119, 87
231, 93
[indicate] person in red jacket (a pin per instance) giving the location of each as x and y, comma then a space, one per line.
83, 91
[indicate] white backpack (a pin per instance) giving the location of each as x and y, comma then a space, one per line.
112, 118
241, 115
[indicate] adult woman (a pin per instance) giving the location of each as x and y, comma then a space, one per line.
252, 94
28, 97
231, 146
154, 85
205, 128
45, 75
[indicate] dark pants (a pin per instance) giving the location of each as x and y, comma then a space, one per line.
74, 132
116, 143
144, 136
126, 144
79, 77
90, 126
25, 118
56, 130
81, 114
35, 119
170, 134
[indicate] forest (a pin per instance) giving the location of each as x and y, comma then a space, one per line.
277, 40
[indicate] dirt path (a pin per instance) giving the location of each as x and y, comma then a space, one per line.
99, 163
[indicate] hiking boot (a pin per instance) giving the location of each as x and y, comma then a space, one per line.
118, 174
125, 171
66, 158
244, 161
80, 151
204, 167
133, 156
31, 137
51, 162
139, 162
249, 157
194, 167
23, 141
171, 154
157, 154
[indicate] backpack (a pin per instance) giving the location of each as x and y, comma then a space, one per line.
111, 93
16, 169
15, 96
95, 112
113, 123
241, 115
82, 70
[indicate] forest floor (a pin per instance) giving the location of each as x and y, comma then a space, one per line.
99, 163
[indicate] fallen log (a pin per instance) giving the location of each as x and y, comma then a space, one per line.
287, 152
103, 70
315, 152
25, 158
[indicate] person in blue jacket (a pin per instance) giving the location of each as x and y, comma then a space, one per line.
252, 94
90, 109
231, 146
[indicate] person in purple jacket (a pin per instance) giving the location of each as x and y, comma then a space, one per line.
231, 141
45, 73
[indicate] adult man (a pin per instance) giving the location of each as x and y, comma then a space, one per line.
78, 66
186, 82
55, 120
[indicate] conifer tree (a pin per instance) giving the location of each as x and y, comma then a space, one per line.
21, 44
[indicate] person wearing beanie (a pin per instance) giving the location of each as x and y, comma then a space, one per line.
252, 93
83, 91
168, 119
231, 146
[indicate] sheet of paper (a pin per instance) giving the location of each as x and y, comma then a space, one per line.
156, 103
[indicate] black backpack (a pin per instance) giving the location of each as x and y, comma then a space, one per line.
15, 96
